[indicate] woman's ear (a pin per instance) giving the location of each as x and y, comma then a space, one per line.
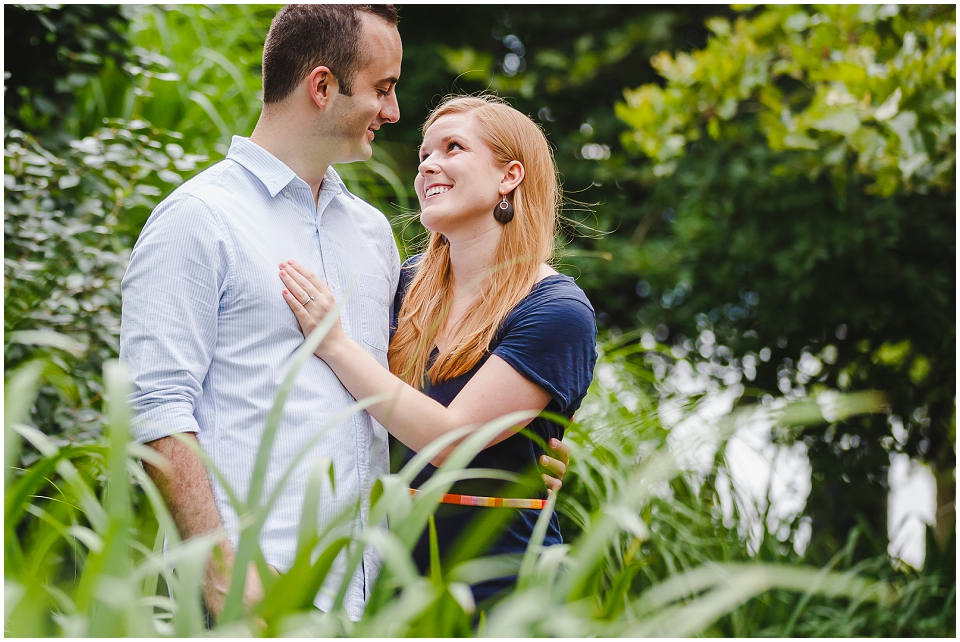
512, 176
321, 84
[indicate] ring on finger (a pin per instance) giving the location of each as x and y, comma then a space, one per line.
309, 299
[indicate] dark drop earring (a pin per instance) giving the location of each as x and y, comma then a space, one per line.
503, 212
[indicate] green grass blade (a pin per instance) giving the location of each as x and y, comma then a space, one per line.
297, 589
226, 64
207, 106
20, 492
354, 408
190, 559
116, 382
436, 575
428, 452
532, 553
19, 394
92, 509
591, 547
728, 585
252, 520
481, 569
393, 620
321, 469
395, 555
152, 580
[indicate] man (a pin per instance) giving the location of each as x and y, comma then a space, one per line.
205, 330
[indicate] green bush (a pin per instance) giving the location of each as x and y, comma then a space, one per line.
67, 239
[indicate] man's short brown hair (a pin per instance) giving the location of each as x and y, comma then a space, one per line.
305, 36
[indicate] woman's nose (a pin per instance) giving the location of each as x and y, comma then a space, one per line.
427, 166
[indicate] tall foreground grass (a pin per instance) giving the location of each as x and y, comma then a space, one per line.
646, 552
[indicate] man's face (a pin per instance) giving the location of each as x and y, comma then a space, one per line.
354, 119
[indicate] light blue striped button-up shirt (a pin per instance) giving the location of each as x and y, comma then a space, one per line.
208, 337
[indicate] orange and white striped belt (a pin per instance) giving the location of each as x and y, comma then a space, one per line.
489, 502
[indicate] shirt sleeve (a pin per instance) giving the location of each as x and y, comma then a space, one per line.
171, 295
554, 345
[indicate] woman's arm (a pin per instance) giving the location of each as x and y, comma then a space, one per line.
408, 414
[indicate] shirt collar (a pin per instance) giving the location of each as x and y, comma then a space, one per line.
271, 171
274, 173
333, 182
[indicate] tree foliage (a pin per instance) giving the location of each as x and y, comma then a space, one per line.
565, 73
851, 89
67, 47
775, 198
812, 151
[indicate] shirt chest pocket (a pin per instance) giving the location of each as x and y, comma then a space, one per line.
374, 298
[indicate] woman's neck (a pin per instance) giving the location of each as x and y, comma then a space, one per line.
472, 258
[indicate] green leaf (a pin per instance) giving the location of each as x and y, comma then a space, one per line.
890, 106
800, 141
841, 122
48, 338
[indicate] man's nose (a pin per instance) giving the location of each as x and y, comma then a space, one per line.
391, 109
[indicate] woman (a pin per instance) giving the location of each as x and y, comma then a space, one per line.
484, 326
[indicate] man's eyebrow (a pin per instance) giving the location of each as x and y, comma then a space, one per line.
392, 80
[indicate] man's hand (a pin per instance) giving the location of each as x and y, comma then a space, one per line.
216, 584
556, 464
186, 490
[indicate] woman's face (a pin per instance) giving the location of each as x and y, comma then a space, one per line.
459, 182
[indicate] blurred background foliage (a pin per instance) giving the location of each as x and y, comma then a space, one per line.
764, 196
781, 178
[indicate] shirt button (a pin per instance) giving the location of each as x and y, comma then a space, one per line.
286, 193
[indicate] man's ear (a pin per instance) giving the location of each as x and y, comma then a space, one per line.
512, 176
321, 84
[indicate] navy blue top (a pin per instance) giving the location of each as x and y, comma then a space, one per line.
550, 339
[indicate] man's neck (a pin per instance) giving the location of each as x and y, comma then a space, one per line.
286, 137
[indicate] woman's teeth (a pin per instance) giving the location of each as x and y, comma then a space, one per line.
439, 189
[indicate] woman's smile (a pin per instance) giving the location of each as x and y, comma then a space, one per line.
434, 190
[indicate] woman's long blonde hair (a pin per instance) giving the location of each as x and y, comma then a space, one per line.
527, 241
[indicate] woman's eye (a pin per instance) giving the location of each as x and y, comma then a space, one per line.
454, 145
